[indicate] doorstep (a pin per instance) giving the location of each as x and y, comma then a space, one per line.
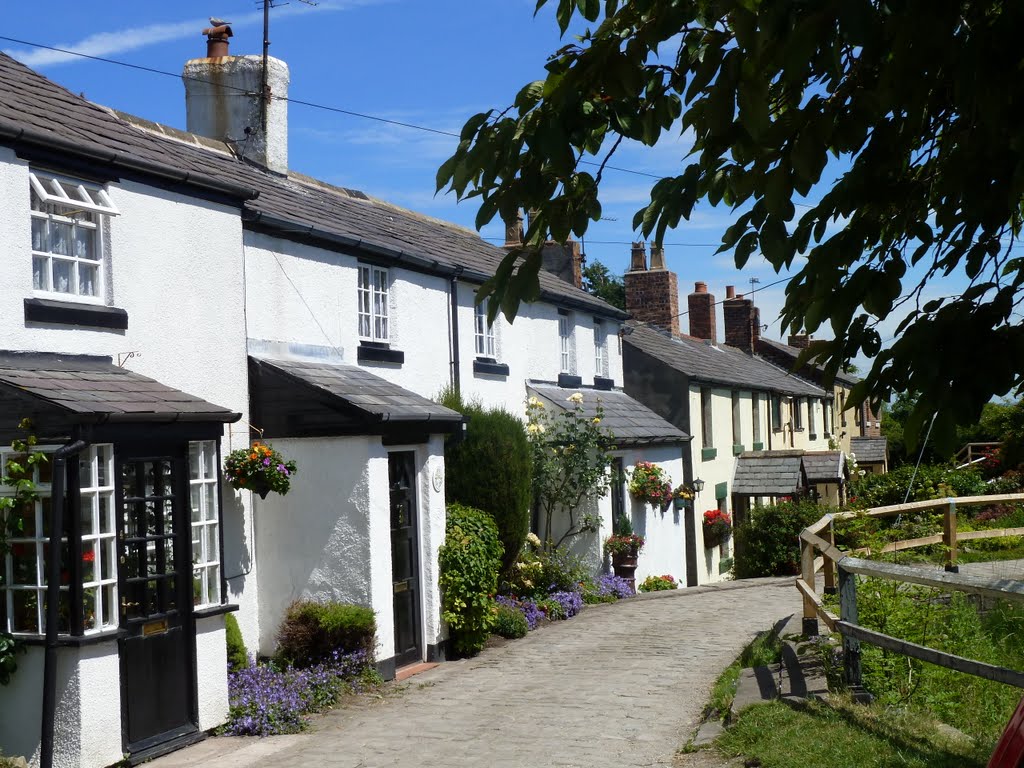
404, 673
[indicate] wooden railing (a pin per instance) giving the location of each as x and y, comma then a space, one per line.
818, 552
973, 452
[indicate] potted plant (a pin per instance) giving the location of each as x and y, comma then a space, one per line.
259, 469
682, 496
650, 484
717, 527
623, 547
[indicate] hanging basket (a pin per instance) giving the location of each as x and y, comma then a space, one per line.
715, 535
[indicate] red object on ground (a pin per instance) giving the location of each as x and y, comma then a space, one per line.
1009, 752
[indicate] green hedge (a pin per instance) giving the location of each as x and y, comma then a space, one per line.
469, 561
766, 542
932, 481
311, 631
491, 469
238, 655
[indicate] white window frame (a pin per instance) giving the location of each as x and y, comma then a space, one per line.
600, 348
483, 333
204, 503
565, 341
83, 209
373, 296
98, 539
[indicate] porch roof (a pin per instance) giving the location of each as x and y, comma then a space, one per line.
294, 398
631, 422
769, 473
84, 389
824, 466
869, 450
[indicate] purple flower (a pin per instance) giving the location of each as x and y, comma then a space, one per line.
266, 462
531, 612
282, 468
571, 602
610, 584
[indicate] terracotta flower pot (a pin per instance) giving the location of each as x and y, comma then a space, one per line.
624, 565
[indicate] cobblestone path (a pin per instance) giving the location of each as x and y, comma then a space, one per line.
619, 685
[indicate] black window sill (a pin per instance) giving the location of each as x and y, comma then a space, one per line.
569, 381
798, 429
375, 352
214, 610
489, 367
604, 384
72, 313
812, 436
73, 641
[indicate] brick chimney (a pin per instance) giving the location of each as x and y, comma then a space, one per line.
799, 340
223, 101
701, 307
652, 295
742, 321
514, 232
563, 261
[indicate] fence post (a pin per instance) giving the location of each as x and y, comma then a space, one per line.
810, 622
828, 568
949, 536
848, 613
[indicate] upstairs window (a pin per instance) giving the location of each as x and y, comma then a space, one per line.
811, 408
483, 332
776, 412
707, 433
737, 437
373, 303
565, 341
67, 236
842, 409
600, 349
798, 413
755, 404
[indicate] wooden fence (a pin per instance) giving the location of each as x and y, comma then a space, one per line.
840, 569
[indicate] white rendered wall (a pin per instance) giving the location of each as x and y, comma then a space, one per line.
664, 533
314, 542
432, 519
212, 663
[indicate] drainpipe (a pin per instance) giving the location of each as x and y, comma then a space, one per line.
59, 459
455, 357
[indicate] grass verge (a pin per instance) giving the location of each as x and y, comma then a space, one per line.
766, 648
844, 735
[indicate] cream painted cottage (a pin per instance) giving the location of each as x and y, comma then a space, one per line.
172, 295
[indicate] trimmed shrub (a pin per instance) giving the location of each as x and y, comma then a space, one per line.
492, 470
510, 622
766, 542
238, 655
313, 632
469, 561
931, 482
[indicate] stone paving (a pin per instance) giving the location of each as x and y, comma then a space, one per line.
619, 685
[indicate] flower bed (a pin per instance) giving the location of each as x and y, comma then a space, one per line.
658, 583
268, 699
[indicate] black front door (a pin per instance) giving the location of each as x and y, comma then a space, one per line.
157, 654
404, 557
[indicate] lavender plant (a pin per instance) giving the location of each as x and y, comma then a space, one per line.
571, 602
530, 610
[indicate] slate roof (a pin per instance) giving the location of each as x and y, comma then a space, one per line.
768, 473
824, 466
35, 111
717, 364
870, 450
793, 352
90, 389
374, 397
631, 422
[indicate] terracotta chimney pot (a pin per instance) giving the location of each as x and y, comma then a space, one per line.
638, 258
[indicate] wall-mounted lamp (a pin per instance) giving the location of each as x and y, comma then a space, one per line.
698, 485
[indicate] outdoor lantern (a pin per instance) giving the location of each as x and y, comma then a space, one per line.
698, 485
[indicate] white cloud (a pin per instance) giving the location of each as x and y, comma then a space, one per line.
103, 44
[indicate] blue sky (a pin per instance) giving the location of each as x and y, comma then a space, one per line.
428, 63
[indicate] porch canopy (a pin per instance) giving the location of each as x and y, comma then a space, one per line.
62, 393
870, 450
296, 398
825, 467
631, 422
769, 473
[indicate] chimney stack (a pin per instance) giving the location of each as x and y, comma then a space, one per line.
800, 340
563, 261
742, 322
652, 295
223, 101
730, 292
701, 307
514, 232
